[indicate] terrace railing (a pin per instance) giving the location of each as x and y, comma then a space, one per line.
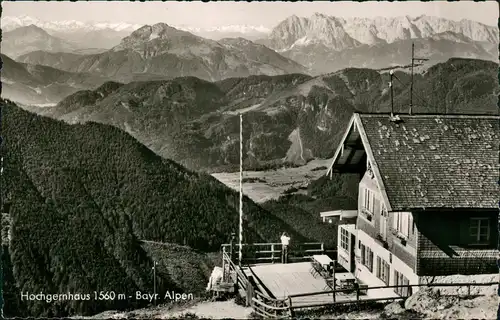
363, 299
262, 304
259, 253
267, 306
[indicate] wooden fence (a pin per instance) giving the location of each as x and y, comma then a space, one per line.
358, 291
262, 304
259, 253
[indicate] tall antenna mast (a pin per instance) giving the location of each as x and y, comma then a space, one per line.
412, 63
413, 59
2, 206
240, 253
391, 73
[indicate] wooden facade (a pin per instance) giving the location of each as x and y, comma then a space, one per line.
452, 249
383, 231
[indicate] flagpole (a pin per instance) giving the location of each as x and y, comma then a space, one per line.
240, 254
154, 279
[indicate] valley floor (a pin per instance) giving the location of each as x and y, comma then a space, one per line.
271, 184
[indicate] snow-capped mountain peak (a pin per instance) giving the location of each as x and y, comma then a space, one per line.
319, 28
341, 33
10, 22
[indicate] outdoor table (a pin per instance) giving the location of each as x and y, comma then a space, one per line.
322, 259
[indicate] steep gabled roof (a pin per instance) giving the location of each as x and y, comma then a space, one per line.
431, 161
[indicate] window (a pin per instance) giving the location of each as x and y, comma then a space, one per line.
367, 257
401, 280
344, 239
479, 230
383, 270
402, 222
370, 203
367, 200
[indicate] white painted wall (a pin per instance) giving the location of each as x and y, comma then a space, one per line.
365, 276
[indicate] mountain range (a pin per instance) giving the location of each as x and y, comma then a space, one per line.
339, 33
316, 45
331, 43
108, 34
287, 119
160, 51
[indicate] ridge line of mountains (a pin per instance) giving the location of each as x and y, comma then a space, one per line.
112, 175
288, 119
316, 45
320, 43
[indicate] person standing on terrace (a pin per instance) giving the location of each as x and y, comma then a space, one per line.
285, 241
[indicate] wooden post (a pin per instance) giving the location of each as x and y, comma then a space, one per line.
231, 247
357, 294
468, 290
322, 248
223, 264
334, 284
272, 253
290, 310
249, 292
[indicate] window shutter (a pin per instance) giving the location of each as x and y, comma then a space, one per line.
361, 199
371, 261
387, 273
404, 223
410, 223
378, 266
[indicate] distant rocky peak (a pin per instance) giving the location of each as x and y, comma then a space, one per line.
158, 30
33, 29
323, 21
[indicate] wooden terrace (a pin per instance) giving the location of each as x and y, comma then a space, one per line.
284, 280
276, 290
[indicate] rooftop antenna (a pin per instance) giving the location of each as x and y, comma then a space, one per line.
391, 74
413, 59
392, 118
240, 252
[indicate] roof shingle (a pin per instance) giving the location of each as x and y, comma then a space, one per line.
436, 161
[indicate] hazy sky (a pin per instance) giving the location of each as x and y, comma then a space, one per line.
198, 14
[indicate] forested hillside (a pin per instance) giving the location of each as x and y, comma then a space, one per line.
82, 197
